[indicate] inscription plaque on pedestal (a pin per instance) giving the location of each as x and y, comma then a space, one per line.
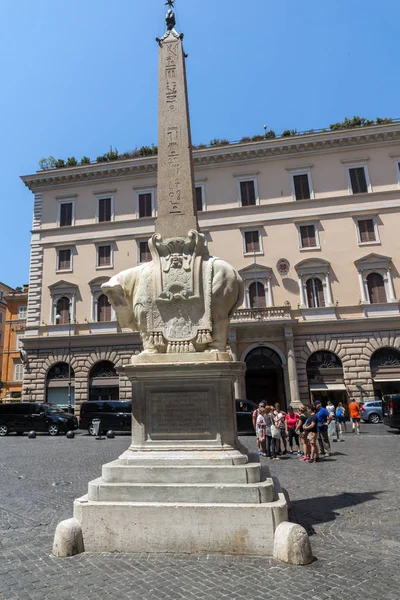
180, 415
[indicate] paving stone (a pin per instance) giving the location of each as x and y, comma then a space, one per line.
348, 503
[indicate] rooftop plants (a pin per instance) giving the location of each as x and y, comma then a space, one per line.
113, 154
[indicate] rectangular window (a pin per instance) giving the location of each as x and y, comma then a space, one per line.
366, 229
18, 371
247, 193
18, 340
64, 260
145, 205
66, 214
301, 186
104, 256
22, 310
1, 317
251, 241
199, 198
358, 180
144, 252
105, 210
308, 238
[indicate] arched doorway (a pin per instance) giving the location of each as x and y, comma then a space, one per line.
58, 379
103, 382
264, 376
385, 371
325, 378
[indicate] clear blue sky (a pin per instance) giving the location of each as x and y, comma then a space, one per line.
81, 75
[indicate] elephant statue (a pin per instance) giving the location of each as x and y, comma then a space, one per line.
181, 301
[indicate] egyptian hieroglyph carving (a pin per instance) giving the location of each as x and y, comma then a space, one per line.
181, 301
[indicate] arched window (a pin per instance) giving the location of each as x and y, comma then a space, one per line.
385, 357
103, 309
315, 293
105, 369
62, 311
257, 295
376, 288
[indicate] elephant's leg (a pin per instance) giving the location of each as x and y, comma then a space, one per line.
220, 334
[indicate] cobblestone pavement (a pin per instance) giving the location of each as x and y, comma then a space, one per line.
349, 503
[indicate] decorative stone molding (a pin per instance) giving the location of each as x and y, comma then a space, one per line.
234, 153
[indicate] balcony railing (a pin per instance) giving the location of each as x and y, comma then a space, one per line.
272, 313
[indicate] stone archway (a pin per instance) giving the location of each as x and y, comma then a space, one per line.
385, 371
264, 376
60, 385
325, 377
103, 381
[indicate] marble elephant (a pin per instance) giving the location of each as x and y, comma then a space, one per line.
131, 308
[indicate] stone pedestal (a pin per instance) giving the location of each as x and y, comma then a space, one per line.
184, 485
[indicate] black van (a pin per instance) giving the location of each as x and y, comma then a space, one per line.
391, 410
113, 414
28, 416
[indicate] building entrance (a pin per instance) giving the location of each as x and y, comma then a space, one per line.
264, 376
385, 371
325, 378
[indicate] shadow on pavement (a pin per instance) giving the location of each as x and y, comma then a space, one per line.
323, 509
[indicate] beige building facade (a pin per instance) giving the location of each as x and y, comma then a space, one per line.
311, 222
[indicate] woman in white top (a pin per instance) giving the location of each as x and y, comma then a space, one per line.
333, 429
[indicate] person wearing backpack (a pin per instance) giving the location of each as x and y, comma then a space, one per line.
341, 420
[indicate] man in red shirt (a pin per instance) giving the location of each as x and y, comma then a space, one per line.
355, 415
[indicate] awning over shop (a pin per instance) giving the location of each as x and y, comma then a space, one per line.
320, 387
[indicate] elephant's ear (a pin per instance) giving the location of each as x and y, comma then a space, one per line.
119, 291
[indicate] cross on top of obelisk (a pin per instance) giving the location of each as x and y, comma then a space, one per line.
176, 213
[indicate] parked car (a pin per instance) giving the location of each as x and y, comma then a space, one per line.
244, 412
113, 414
391, 410
20, 417
371, 412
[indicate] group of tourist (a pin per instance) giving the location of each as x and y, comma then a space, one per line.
306, 433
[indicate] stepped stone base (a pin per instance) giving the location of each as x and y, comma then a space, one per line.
180, 528
184, 485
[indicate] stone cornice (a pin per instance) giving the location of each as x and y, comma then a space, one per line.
220, 156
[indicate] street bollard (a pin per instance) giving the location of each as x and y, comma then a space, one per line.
70, 435
97, 429
110, 434
32, 435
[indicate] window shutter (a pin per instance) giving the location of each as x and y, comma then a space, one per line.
301, 187
144, 252
104, 256
315, 293
145, 208
308, 237
247, 193
358, 180
376, 289
252, 241
64, 259
103, 309
62, 309
199, 199
104, 210
257, 295
367, 230
66, 214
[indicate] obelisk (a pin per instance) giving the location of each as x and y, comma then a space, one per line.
176, 207
185, 484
